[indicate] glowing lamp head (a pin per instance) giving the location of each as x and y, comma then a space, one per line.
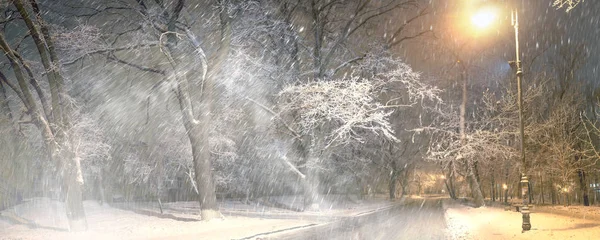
484, 18
504, 186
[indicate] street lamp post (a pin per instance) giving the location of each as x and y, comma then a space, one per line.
483, 19
524, 180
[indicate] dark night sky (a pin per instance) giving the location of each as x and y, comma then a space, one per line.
542, 27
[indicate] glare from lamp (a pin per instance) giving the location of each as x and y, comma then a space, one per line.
484, 18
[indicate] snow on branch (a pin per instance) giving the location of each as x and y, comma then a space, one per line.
81, 38
90, 144
347, 102
489, 135
348, 108
390, 74
86, 40
567, 4
490, 132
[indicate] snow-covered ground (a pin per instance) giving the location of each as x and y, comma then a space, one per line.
578, 211
495, 223
106, 222
331, 207
42, 218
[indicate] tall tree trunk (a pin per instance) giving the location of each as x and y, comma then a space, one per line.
450, 188
476, 171
506, 173
198, 131
294, 59
542, 188
160, 177
312, 180
318, 35
310, 185
53, 76
475, 189
595, 189
471, 168
198, 137
74, 195
530, 190
392, 183
4, 105
553, 192
101, 188
449, 181
583, 187
57, 145
53, 128
309, 182
405, 174
493, 188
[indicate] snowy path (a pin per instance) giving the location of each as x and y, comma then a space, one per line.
417, 219
466, 223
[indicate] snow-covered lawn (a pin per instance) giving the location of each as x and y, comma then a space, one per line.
495, 223
585, 212
106, 222
42, 218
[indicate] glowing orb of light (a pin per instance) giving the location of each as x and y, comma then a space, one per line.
484, 18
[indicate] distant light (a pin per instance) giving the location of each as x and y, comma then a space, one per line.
504, 186
484, 17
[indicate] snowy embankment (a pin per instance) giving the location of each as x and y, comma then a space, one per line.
42, 218
495, 223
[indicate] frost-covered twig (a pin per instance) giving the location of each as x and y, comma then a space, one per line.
567, 4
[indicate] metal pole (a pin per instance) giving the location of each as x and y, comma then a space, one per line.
524, 181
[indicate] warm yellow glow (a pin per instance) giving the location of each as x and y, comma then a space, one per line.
485, 17
504, 186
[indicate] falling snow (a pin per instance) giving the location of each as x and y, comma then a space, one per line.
293, 119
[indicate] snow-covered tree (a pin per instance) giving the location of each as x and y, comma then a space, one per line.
47, 106
489, 135
163, 42
326, 114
